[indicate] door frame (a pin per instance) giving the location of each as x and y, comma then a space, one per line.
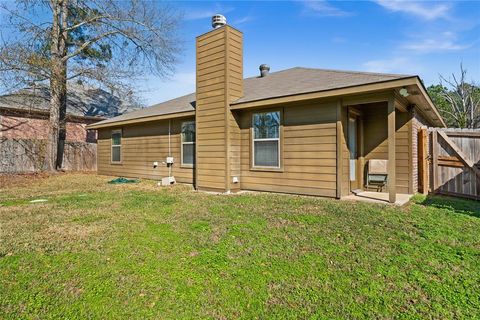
354, 113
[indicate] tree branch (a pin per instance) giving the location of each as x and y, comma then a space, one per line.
78, 25
88, 43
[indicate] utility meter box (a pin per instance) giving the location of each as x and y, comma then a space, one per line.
169, 160
168, 181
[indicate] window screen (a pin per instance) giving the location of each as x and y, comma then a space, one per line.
188, 142
266, 139
116, 146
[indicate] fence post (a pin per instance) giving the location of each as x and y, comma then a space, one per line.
435, 159
422, 161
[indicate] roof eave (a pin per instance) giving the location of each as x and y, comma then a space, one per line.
110, 124
363, 88
424, 91
350, 90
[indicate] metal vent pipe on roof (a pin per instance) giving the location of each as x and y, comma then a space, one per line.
218, 21
264, 69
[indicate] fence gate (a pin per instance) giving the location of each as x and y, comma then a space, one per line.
449, 161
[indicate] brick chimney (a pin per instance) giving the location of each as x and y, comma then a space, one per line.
219, 65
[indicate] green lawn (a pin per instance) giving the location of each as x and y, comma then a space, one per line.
96, 250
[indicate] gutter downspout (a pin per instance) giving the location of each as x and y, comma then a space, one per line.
169, 147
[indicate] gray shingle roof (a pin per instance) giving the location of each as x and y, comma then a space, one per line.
276, 84
180, 104
303, 80
81, 101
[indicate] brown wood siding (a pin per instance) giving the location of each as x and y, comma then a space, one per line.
376, 144
219, 81
210, 109
308, 152
143, 144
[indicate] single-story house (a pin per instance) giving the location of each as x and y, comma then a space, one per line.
301, 130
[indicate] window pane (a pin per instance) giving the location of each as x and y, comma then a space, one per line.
266, 125
266, 153
188, 153
116, 154
188, 131
116, 138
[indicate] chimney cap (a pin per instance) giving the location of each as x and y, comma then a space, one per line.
264, 69
218, 21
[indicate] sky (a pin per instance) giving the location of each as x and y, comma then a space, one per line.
425, 38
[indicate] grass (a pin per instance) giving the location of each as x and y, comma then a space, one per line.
138, 251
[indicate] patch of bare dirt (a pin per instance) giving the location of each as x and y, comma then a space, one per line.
21, 180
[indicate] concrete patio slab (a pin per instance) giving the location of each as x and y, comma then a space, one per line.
378, 197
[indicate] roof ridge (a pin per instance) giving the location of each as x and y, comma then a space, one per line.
357, 72
270, 73
339, 71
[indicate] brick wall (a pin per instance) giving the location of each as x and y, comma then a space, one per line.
15, 127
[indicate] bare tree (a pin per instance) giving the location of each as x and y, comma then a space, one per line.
106, 42
462, 105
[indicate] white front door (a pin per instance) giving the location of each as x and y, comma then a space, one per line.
352, 146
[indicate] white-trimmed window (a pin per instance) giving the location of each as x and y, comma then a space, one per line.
188, 143
117, 146
266, 139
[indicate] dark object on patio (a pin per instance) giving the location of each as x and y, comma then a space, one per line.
122, 180
377, 174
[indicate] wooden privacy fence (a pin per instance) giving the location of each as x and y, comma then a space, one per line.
28, 155
449, 161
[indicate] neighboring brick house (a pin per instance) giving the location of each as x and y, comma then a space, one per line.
24, 117
33, 124
24, 114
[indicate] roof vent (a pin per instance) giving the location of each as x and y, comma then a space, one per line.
264, 69
218, 21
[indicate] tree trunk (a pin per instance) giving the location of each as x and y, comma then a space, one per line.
57, 121
58, 89
62, 132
